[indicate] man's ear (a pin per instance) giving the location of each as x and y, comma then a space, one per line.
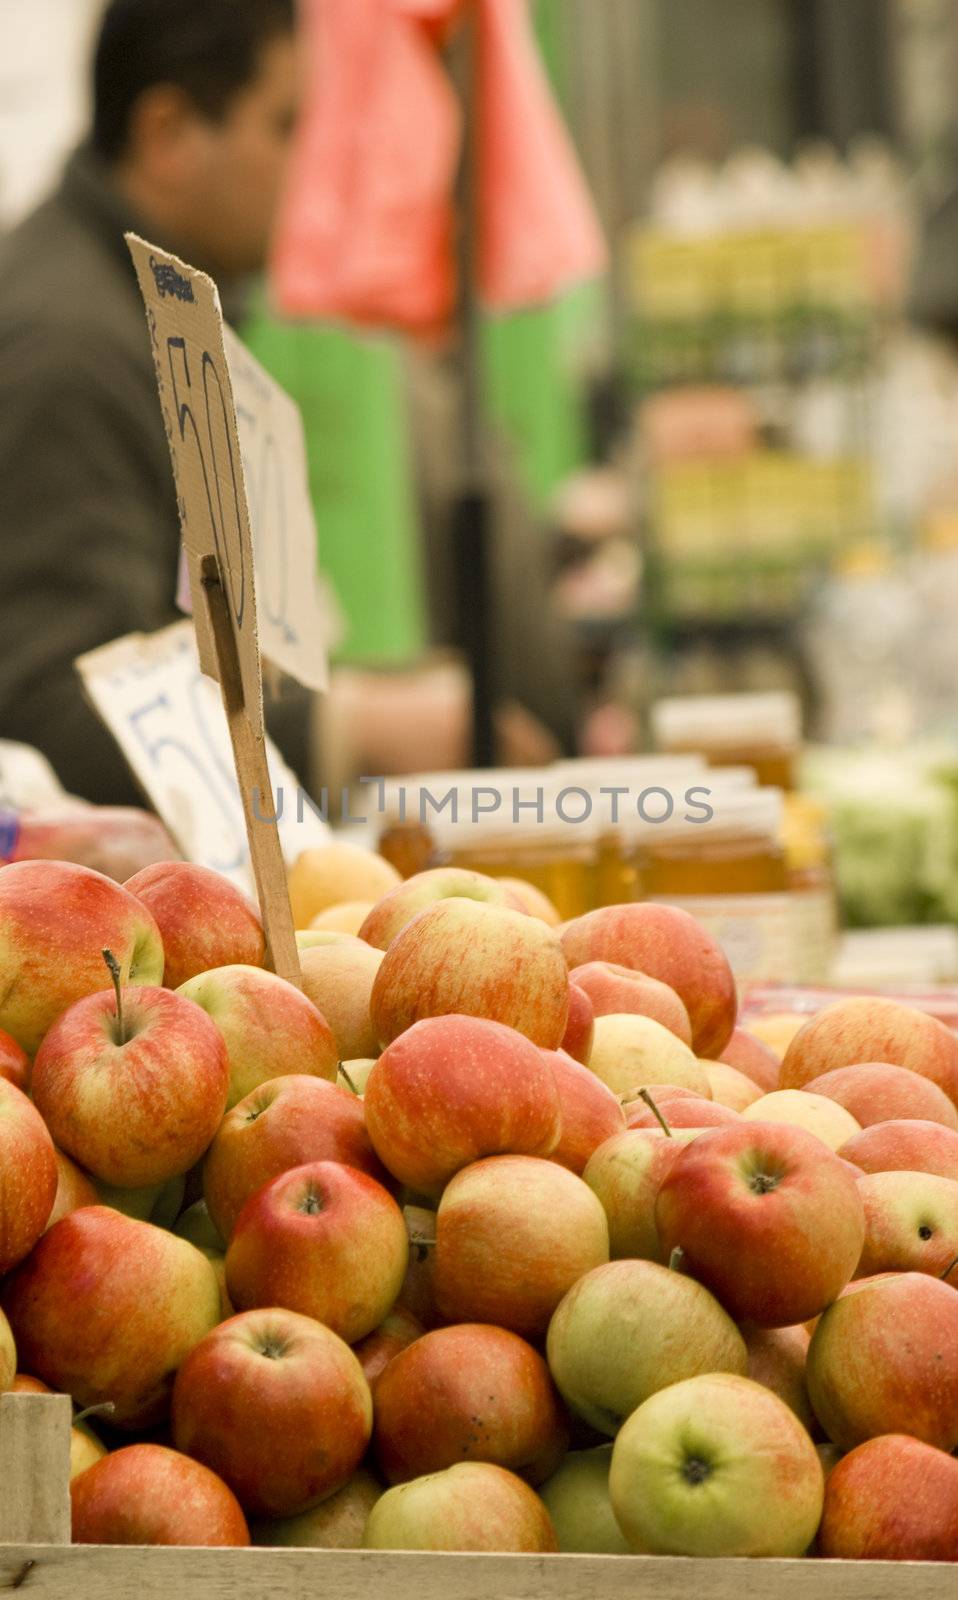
163, 126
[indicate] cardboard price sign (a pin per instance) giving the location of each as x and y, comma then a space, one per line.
169, 722
188, 337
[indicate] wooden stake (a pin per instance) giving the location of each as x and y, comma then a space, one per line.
35, 1468
252, 774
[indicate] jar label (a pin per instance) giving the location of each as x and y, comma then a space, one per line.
755, 931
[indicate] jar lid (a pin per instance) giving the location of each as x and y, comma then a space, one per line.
728, 721
596, 769
702, 815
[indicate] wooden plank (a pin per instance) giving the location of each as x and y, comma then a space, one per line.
110, 1573
35, 1468
252, 774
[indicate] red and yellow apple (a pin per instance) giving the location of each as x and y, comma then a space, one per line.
287, 1122
470, 1391
590, 1112
869, 1028
616, 989
891, 1499
269, 1026
322, 1239
424, 889
632, 1052
474, 959
338, 975
754, 1057
204, 920
513, 1234
134, 1097
147, 1494
767, 1217
28, 1175
453, 1089
55, 919
666, 943
911, 1223
14, 1062
580, 1025
904, 1146
106, 1308
277, 1405
876, 1092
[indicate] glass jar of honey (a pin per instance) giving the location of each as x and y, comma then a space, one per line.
728, 869
548, 839
809, 862
762, 731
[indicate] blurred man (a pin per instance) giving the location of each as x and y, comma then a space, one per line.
194, 104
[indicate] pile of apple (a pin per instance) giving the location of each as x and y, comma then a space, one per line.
496, 1235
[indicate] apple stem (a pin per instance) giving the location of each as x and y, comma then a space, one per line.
644, 1095
113, 967
105, 1408
676, 1258
341, 1069
949, 1270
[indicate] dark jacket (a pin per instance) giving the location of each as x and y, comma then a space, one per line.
89, 536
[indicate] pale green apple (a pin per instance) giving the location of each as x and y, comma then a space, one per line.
335, 1524
630, 1328
472, 1505
577, 1499
158, 1203
196, 1225
716, 1466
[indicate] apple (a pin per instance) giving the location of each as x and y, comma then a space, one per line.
632, 1327
352, 1075
55, 919
331, 873
884, 1359
14, 1062
312, 938
287, 1122
590, 1112
8, 1355
74, 1189
322, 1239
269, 1026
148, 1494
470, 1506
28, 1174
346, 917
468, 1391
776, 1359
106, 1308
451, 1089
904, 1146
875, 1092
911, 1223
626, 1173
478, 960
396, 1332
85, 1447
798, 1108
132, 1084
577, 1499
513, 1234
663, 942
754, 1057
716, 1466
631, 1052
337, 1523
159, 1203
730, 1087
776, 1030
532, 900
616, 990
691, 1111
869, 1028
277, 1404
891, 1499
424, 889
418, 1292
204, 920
338, 976
196, 1225
767, 1217
580, 1026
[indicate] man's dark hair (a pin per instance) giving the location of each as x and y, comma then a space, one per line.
208, 48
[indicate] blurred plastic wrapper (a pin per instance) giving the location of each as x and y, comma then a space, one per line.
40, 821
